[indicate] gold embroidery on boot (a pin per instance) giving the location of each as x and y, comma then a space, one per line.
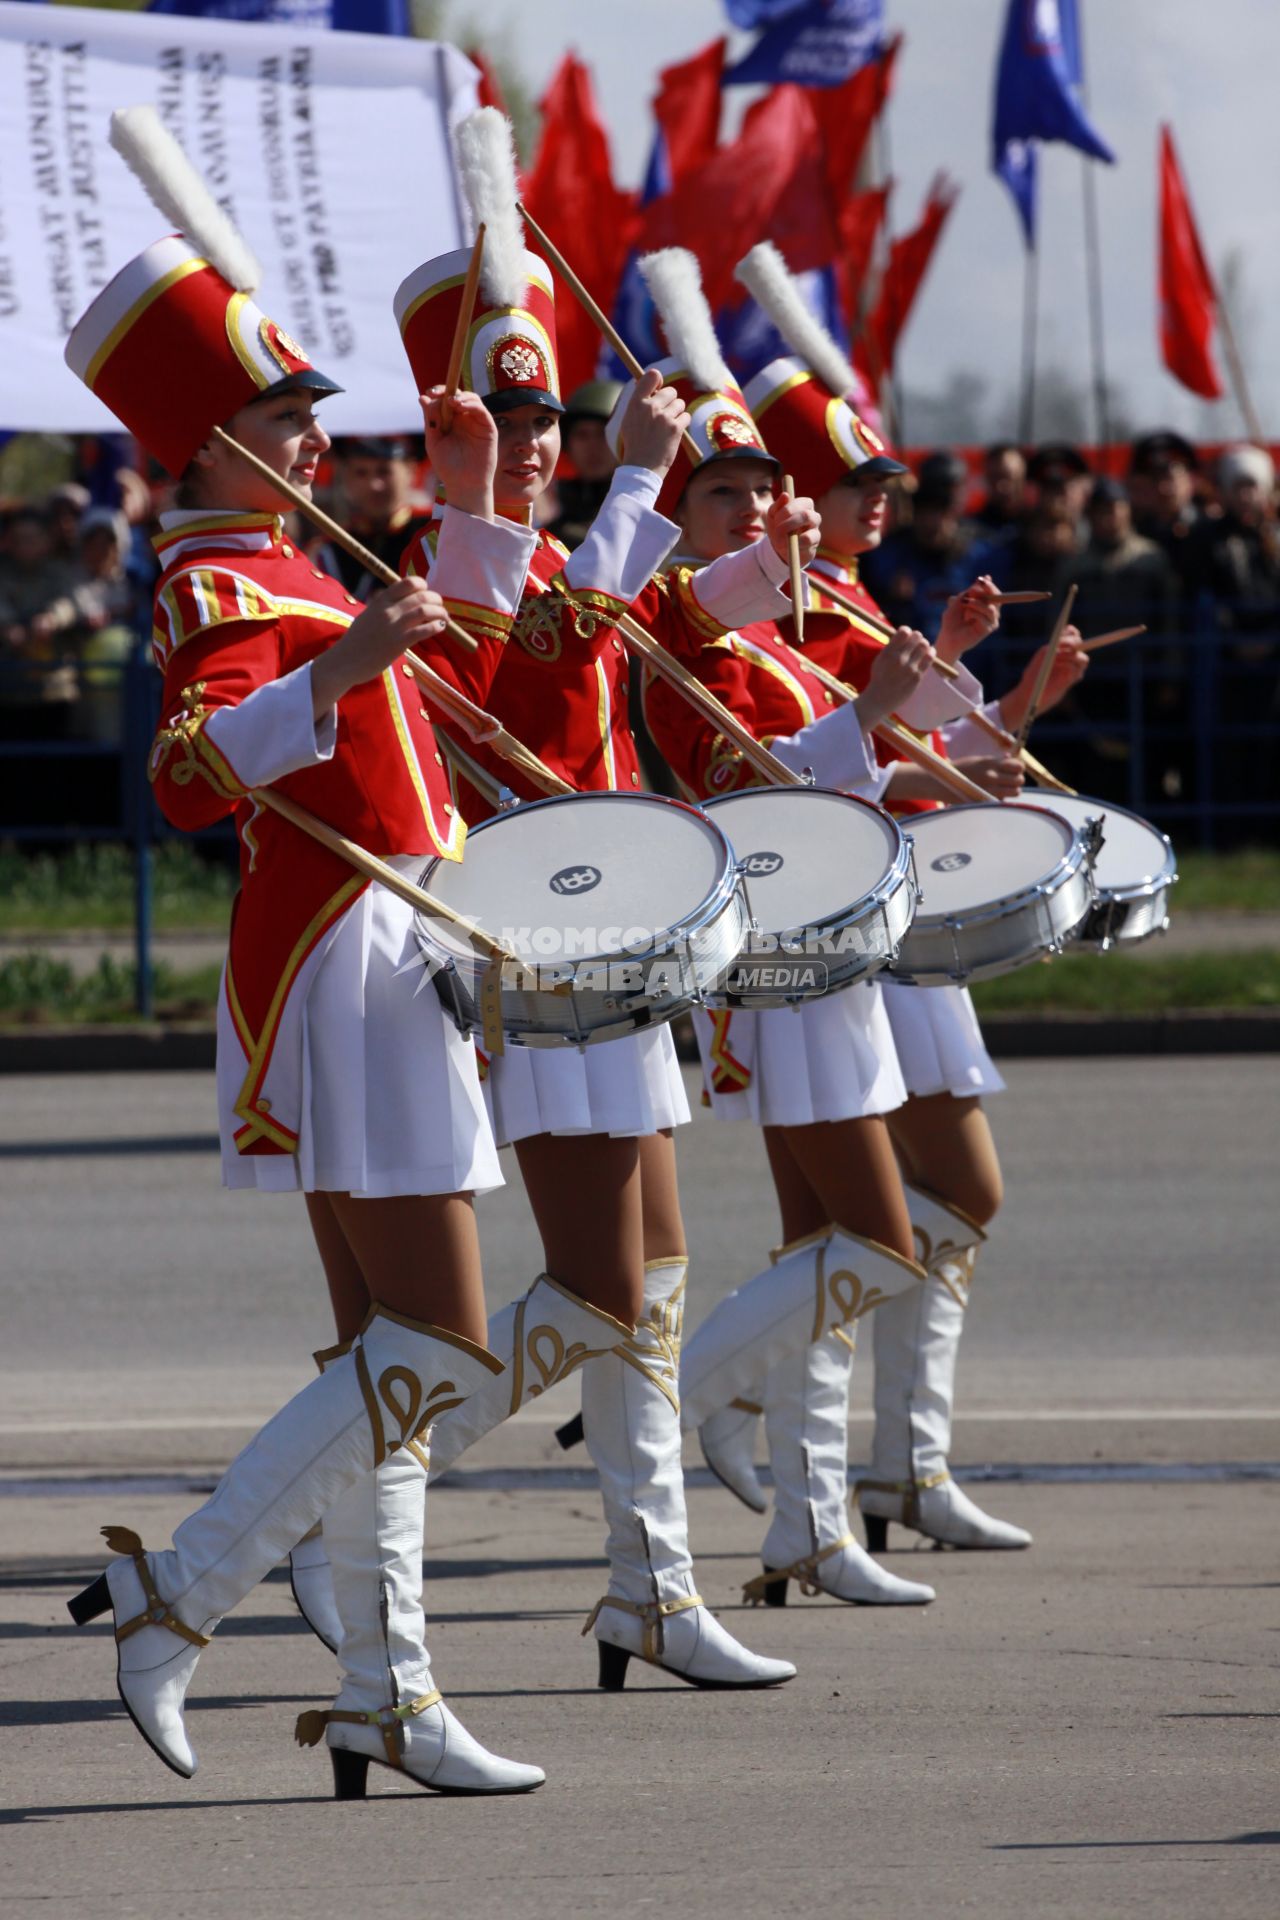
654, 1348
956, 1275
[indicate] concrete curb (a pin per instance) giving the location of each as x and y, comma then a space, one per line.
1054, 1036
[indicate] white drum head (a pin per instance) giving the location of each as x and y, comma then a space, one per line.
590, 875
1133, 853
807, 855
968, 858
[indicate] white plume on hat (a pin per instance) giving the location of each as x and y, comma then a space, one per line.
674, 278
768, 278
154, 157
486, 150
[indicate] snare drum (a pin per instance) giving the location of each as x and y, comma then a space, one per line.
1000, 886
1132, 874
828, 883
626, 907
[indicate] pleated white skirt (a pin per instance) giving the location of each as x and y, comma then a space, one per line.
939, 1041
833, 1059
391, 1099
624, 1087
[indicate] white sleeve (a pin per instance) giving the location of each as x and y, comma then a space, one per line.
627, 541
962, 737
739, 588
483, 562
272, 731
937, 699
836, 751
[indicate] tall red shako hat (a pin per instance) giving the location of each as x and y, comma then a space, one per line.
175, 345
510, 356
721, 426
800, 403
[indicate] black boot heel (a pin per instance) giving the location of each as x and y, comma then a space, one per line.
350, 1773
95, 1599
775, 1591
613, 1666
876, 1527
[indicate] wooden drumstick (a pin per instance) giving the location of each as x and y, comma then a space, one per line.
902, 737
339, 535
463, 328
1016, 599
870, 623
797, 567
485, 729
595, 312
1111, 639
1046, 665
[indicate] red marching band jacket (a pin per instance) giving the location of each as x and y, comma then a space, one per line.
563, 681
239, 615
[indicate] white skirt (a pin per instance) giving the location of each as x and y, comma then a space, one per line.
939, 1041
624, 1087
833, 1059
391, 1099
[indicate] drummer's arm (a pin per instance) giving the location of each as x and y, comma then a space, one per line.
479, 568
703, 760
229, 720
1069, 667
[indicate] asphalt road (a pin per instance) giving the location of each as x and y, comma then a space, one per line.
1086, 1729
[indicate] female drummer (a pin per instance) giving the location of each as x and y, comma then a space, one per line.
819, 1079
332, 1078
592, 1130
940, 1133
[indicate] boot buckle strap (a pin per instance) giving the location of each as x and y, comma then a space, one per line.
803, 1572
156, 1613
651, 1612
310, 1726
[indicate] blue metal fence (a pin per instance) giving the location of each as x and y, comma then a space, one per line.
1182, 728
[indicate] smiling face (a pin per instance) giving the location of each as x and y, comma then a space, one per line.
284, 433
528, 449
853, 514
723, 507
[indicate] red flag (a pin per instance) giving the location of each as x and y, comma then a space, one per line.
908, 262
860, 221
1188, 300
489, 92
847, 113
570, 192
735, 198
687, 109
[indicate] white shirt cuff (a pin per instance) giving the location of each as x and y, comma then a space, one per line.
627, 541
963, 738
484, 562
272, 731
937, 700
833, 748
739, 588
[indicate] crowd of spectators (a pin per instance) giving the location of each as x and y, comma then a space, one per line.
1187, 548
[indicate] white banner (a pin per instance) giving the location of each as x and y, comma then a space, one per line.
330, 151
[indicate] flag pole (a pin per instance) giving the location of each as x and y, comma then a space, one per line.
1030, 302
1235, 367
896, 420
1093, 268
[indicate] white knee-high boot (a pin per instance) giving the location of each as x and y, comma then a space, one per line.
538, 1340
541, 1338
630, 1410
379, 1397
826, 1280
388, 1708
728, 1442
916, 1344
806, 1410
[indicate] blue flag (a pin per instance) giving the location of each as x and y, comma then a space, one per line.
1036, 97
355, 16
813, 43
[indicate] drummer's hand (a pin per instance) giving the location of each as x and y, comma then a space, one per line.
464, 454
970, 617
787, 516
1068, 670
654, 419
396, 619
899, 667
996, 773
